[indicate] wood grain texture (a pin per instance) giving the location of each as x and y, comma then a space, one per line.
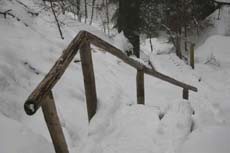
36, 98
89, 79
118, 53
185, 94
53, 124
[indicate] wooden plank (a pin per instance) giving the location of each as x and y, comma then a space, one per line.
185, 94
192, 55
89, 79
36, 98
118, 53
140, 87
53, 124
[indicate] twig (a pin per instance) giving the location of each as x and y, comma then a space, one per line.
7, 12
170, 33
59, 27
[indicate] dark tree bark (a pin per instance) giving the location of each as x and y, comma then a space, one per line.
86, 11
128, 22
79, 10
107, 15
92, 12
56, 19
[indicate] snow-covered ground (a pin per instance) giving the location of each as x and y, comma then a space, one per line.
166, 124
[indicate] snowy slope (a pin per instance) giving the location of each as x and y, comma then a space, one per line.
224, 1
27, 54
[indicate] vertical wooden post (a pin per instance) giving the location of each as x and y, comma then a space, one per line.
53, 124
192, 55
89, 79
178, 47
185, 94
140, 87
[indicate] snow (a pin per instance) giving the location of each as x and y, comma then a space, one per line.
224, 1
166, 124
16, 138
121, 42
211, 51
208, 140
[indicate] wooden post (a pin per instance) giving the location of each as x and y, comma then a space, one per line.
89, 80
140, 87
192, 55
185, 94
178, 47
53, 124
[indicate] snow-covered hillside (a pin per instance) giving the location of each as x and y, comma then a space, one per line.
166, 124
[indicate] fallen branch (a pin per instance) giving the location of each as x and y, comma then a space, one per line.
56, 19
8, 12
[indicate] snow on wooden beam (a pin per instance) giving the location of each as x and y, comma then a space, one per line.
118, 53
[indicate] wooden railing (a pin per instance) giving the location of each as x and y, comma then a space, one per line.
42, 95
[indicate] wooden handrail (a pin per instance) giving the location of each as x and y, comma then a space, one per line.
36, 98
118, 53
42, 94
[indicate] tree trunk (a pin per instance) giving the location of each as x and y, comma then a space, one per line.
178, 46
56, 19
92, 12
107, 16
151, 44
86, 11
79, 10
192, 56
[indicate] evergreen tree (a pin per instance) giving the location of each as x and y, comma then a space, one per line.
128, 21
150, 17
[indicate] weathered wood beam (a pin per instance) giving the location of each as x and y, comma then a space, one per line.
140, 87
89, 79
113, 50
118, 53
53, 124
169, 79
185, 94
36, 98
